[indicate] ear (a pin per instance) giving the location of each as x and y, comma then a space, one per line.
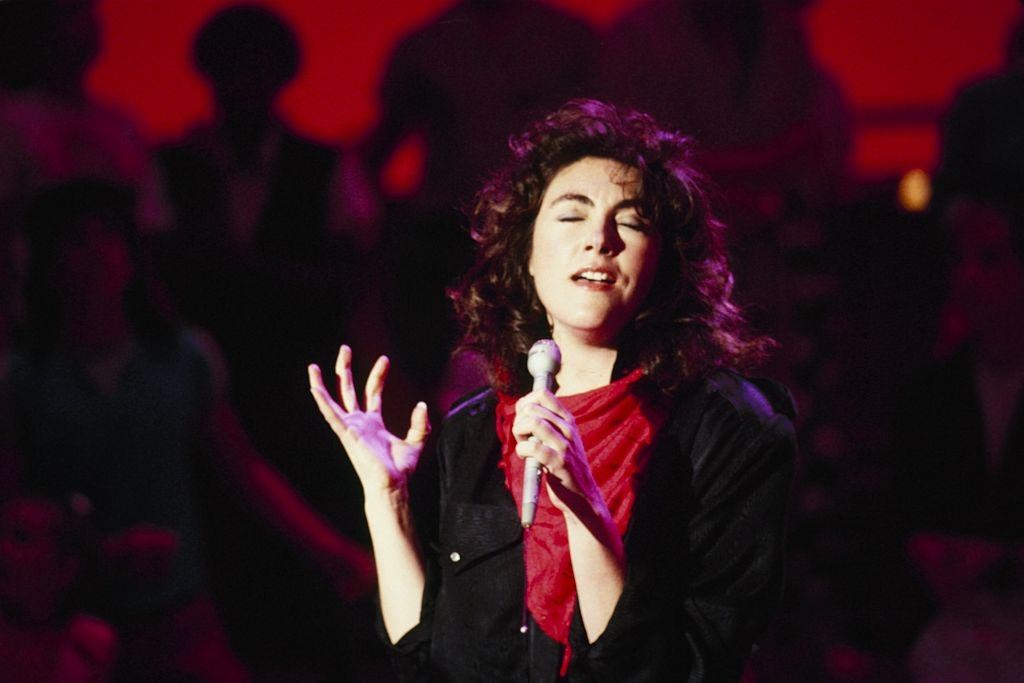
529, 248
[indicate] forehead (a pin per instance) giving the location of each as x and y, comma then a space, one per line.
595, 175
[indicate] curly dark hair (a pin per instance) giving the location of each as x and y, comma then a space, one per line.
688, 324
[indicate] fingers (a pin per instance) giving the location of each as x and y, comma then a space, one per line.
542, 435
328, 408
546, 456
530, 415
546, 434
547, 400
375, 384
316, 379
544, 430
343, 370
419, 425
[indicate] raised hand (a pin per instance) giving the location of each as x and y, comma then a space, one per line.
382, 461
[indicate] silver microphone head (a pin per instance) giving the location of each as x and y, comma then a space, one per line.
544, 359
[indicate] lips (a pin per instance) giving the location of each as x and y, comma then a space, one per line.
597, 276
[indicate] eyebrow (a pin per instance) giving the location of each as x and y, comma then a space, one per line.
584, 199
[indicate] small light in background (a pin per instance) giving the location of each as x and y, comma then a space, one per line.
915, 190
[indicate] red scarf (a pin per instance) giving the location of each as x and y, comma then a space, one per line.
618, 424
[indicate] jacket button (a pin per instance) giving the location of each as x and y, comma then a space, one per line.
455, 557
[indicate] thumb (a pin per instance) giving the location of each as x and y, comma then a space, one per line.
419, 425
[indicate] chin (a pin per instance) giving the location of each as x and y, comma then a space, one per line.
595, 334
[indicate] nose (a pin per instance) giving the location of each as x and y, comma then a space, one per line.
603, 237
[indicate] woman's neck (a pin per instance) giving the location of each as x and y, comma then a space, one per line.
584, 366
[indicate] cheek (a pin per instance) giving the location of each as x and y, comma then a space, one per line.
543, 262
535, 249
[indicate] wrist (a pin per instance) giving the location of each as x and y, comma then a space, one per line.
588, 518
580, 509
597, 524
387, 503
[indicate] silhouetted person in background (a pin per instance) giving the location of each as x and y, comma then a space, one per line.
269, 236
246, 186
964, 418
983, 135
117, 401
958, 444
958, 436
738, 76
264, 241
480, 70
50, 131
959, 432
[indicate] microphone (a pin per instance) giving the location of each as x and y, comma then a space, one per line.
542, 362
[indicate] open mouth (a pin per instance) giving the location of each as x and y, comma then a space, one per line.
598, 276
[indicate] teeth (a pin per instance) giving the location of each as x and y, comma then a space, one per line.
595, 276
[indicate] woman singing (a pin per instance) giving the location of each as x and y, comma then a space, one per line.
656, 552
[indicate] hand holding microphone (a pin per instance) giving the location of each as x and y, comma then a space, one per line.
542, 362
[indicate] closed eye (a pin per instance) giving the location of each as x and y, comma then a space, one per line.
636, 224
570, 219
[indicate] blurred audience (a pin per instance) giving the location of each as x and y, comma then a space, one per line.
958, 443
115, 400
266, 218
273, 234
50, 131
738, 76
958, 435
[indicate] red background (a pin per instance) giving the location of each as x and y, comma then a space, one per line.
898, 61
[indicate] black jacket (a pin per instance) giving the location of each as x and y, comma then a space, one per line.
704, 551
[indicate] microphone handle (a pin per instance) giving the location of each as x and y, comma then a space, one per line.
531, 490
531, 475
